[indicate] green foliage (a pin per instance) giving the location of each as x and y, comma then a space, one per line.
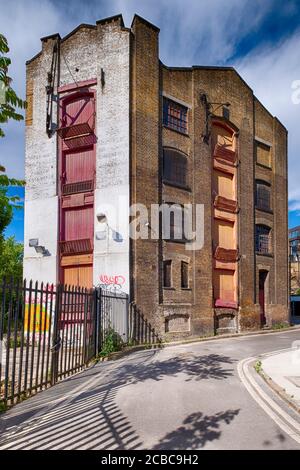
297, 292
112, 343
3, 407
257, 366
11, 259
11, 100
280, 326
6, 211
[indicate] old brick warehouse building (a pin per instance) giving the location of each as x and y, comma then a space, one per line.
128, 125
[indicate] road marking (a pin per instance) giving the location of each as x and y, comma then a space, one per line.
281, 418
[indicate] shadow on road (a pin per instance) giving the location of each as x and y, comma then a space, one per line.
91, 419
196, 430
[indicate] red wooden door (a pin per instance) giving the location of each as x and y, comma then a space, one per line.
262, 296
78, 166
78, 276
77, 170
78, 110
78, 223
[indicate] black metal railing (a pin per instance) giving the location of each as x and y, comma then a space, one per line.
49, 332
140, 329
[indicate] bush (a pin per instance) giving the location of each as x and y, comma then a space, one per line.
112, 343
280, 326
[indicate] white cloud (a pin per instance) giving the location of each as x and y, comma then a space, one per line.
192, 32
271, 72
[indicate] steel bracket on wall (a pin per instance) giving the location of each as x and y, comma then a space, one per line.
51, 97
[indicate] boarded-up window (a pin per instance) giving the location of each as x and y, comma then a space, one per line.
224, 235
224, 286
263, 196
167, 273
184, 275
223, 137
29, 99
224, 185
263, 154
175, 167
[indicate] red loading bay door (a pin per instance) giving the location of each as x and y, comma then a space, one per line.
262, 296
78, 165
79, 110
81, 276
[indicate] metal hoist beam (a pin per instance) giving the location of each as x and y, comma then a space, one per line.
50, 89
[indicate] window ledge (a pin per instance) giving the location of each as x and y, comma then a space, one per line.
169, 288
186, 288
177, 185
268, 211
175, 130
268, 255
182, 242
264, 166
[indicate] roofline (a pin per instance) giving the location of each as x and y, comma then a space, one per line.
112, 18
146, 22
33, 58
294, 228
82, 25
222, 68
50, 36
209, 67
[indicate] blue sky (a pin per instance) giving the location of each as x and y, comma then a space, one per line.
261, 38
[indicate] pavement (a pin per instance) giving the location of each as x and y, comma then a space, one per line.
203, 395
283, 369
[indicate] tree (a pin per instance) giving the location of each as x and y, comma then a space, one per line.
9, 101
11, 264
10, 251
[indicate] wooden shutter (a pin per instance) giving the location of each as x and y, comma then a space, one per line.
79, 276
78, 111
79, 166
78, 223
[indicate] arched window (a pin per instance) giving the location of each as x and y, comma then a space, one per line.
263, 196
263, 240
174, 167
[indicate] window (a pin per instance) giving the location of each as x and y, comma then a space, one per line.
263, 154
173, 222
263, 239
263, 196
167, 274
175, 116
184, 275
175, 167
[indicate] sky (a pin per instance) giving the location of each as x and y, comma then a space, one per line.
260, 38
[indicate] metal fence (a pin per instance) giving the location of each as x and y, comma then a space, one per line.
48, 332
141, 331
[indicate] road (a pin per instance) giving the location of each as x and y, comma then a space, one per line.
181, 397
